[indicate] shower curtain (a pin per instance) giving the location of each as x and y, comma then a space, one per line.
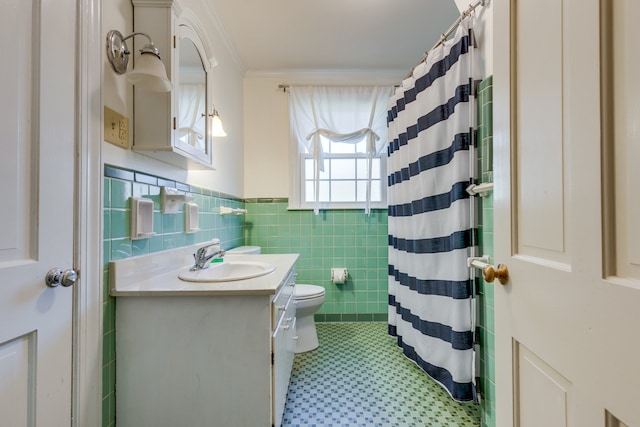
431, 122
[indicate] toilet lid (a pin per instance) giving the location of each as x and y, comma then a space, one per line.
308, 291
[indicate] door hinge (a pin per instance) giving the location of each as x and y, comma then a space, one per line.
272, 358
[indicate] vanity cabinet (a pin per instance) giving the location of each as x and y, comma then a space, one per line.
205, 359
174, 127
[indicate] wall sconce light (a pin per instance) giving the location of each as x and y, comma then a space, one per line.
216, 124
149, 72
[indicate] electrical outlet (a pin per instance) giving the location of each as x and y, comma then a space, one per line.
123, 130
116, 128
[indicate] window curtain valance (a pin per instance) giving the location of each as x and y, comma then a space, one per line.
345, 114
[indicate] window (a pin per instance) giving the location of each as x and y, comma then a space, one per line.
343, 183
338, 136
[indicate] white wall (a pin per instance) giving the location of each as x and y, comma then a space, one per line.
266, 111
483, 29
266, 157
227, 96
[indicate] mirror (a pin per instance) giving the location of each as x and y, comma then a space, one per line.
192, 97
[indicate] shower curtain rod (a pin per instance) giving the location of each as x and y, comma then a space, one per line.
451, 29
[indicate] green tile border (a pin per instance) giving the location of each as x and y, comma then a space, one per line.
111, 171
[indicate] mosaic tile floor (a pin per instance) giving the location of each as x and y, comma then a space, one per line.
359, 377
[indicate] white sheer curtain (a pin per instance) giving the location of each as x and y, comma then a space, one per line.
345, 114
190, 121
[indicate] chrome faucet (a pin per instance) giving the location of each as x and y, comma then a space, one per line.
202, 255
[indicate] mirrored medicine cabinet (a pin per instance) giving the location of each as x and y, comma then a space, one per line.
175, 127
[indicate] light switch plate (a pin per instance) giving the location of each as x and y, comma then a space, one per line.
116, 128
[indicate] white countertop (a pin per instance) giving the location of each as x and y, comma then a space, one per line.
157, 275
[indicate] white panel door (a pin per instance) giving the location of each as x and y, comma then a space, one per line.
36, 217
566, 167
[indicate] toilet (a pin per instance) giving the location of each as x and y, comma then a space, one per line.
244, 250
308, 299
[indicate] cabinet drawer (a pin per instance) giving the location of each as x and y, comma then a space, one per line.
282, 300
283, 315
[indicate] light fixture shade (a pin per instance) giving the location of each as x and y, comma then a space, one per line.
216, 125
149, 73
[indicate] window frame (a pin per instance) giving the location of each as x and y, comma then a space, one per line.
298, 179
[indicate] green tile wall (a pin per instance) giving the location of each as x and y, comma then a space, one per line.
334, 238
119, 185
485, 233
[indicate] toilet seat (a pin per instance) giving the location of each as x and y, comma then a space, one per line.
303, 292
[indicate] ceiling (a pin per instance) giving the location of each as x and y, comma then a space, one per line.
314, 35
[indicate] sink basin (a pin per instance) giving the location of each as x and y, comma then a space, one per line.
228, 271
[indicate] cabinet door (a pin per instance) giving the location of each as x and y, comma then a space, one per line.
282, 359
192, 133
283, 344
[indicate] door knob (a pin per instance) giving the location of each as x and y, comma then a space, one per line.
490, 273
56, 277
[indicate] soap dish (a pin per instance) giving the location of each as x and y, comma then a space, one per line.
191, 218
141, 218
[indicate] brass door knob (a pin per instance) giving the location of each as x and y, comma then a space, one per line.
490, 273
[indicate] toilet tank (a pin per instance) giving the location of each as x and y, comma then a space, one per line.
244, 250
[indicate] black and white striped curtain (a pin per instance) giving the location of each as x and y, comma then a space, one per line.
431, 121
